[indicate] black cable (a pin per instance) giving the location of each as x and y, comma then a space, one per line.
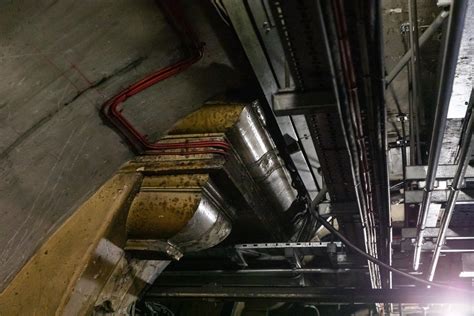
381, 263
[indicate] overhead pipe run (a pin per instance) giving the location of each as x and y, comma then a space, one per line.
449, 61
367, 144
464, 158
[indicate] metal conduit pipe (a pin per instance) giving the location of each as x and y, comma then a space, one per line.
464, 157
110, 109
421, 42
448, 68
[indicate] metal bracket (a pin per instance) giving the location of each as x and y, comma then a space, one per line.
283, 245
404, 28
293, 103
159, 247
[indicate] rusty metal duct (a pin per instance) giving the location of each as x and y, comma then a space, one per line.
182, 207
182, 210
251, 140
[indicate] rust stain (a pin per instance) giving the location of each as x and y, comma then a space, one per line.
212, 118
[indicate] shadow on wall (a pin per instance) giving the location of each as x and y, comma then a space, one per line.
157, 108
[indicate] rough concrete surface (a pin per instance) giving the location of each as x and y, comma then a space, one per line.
59, 61
395, 13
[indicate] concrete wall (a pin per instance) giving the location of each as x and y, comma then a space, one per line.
59, 61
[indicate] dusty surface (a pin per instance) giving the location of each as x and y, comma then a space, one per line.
97, 226
395, 13
59, 61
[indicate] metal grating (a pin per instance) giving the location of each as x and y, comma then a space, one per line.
333, 156
300, 28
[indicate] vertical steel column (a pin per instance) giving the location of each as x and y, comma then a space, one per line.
404, 150
448, 68
415, 156
464, 157
377, 134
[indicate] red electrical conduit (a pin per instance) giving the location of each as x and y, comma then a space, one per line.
138, 140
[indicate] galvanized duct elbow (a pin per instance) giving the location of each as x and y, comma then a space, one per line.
245, 130
176, 213
258, 152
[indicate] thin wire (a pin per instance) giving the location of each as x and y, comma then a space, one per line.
381, 263
221, 11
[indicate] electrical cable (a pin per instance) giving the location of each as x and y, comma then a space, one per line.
382, 264
139, 141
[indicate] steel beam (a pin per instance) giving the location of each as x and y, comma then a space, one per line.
416, 105
442, 173
293, 103
456, 245
431, 232
466, 196
263, 271
310, 294
309, 153
341, 208
288, 245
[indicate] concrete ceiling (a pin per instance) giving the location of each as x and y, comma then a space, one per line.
59, 62
395, 13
